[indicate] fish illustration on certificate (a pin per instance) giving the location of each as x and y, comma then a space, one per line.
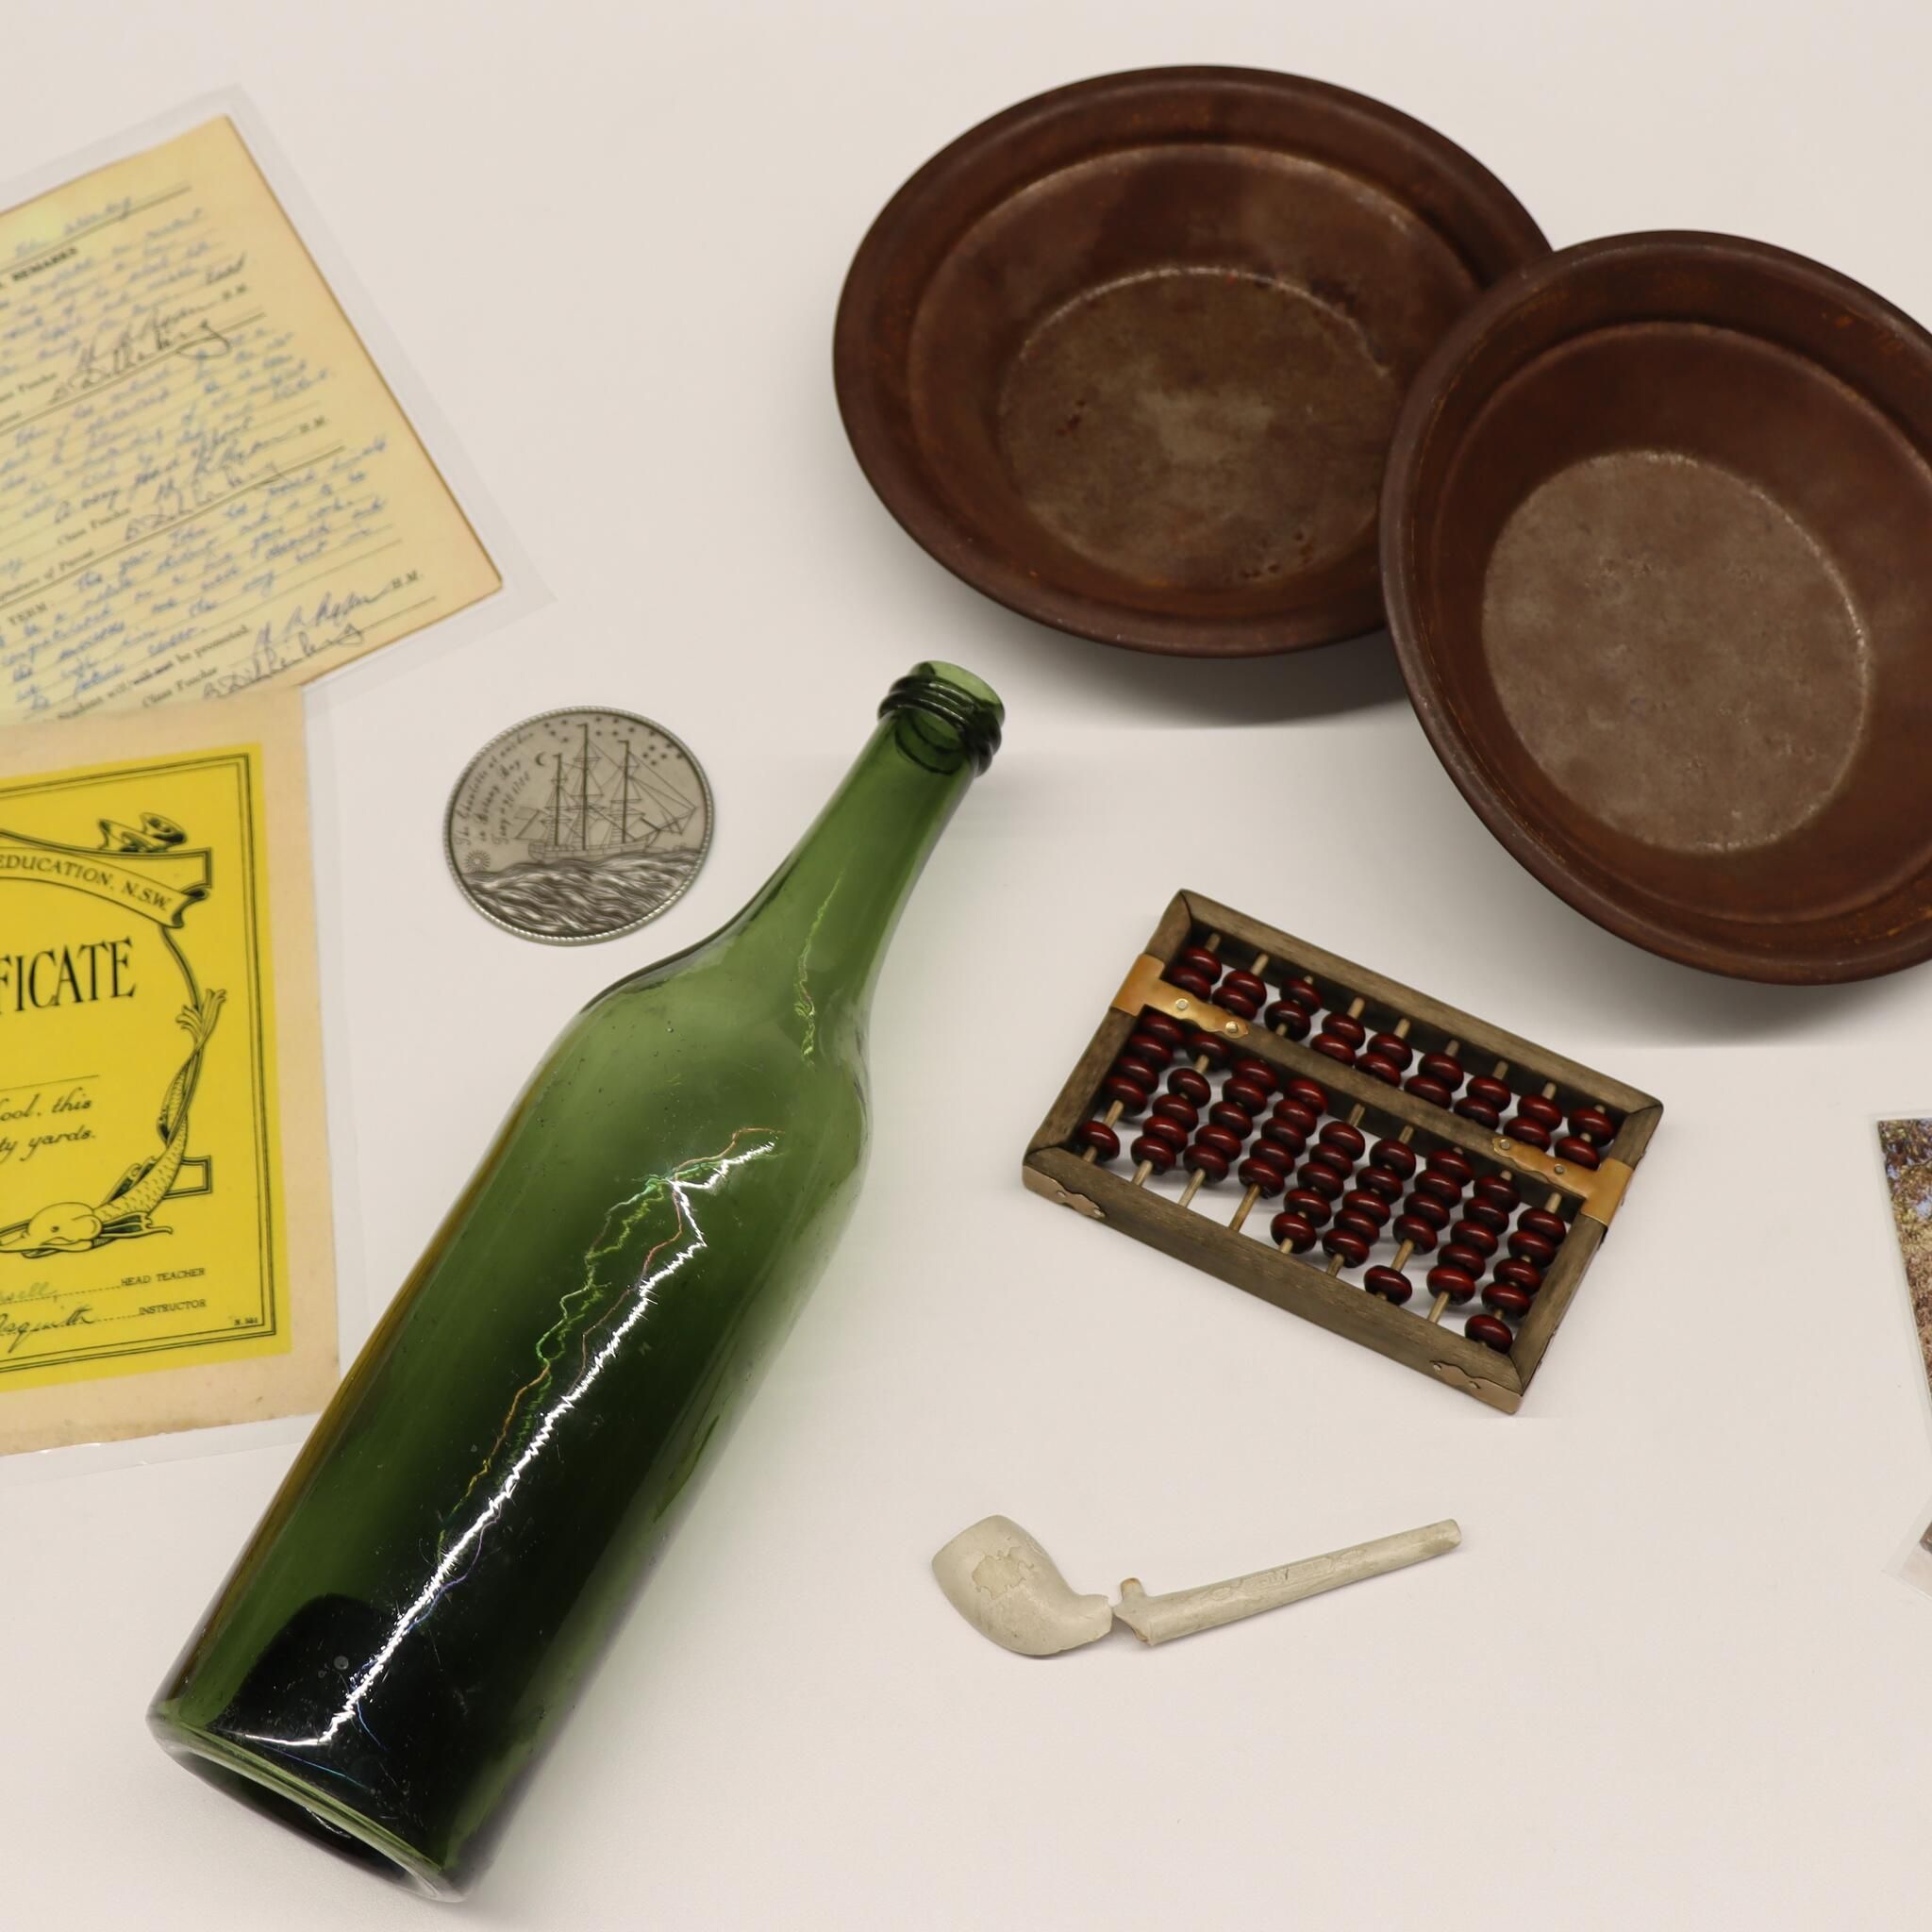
205, 484
146, 1072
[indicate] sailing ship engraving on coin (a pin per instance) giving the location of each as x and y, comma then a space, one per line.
579, 824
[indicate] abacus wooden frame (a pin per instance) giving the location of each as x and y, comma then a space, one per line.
1057, 1170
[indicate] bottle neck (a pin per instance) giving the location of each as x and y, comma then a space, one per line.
823, 918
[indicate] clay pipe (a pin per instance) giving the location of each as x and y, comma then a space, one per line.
1008, 1588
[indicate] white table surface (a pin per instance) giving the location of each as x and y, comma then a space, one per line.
1668, 1681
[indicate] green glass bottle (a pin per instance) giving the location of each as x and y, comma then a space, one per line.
433, 1583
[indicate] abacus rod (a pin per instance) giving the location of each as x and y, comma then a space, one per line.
1442, 1303
1247, 1208
1115, 1109
1193, 1186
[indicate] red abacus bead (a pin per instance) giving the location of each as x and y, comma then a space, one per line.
1417, 1234
1485, 1214
1489, 1332
1545, 1113
1438, 1066
1308, 1093
1553, 1228
1577, 1152
1203, 1047
1207, 1160
1143, 1072
1303, 993
1316, 1205
1130, 1093
1320, 1180
1237, 1120
1506, 1299
1259, 1071
1351, 1032
1296, 1114
1152, 1047
1267, 1177
1334, 1049
1432, 1090
1499, 1191
1531, 1133
1190, 1085
1221, 1139
1169, 1133
1280, 1134
1297, 1230
1460, 1255
1170, 1107
1370, 1207
1332, 1161
1156, 1154
1345, 1139
1242, 992
1186, 980
1457, 1283
1594, 1124
1428, 1211
1199, 960
1104, 1143
1391, 1046
1520, 1275
1532, 1247
1385, 1187
1376, 1068
1394, 1156
1451, 1162
1490, 1092
1285, 1019
1388, 1283
1349, 1243
1245, 1093
1472, 1234
1438, 1186
1361, 1227
1170, 1033
1480, 1111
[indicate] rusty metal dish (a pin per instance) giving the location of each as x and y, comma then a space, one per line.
1655, 540
1127, 356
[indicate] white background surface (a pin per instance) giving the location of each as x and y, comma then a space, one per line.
1668, 1681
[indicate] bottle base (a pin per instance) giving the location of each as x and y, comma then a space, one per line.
274, 1791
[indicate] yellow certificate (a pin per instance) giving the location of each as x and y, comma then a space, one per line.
163, 1209
204, 482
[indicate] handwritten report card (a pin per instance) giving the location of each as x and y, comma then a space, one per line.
164, 1222
205, 483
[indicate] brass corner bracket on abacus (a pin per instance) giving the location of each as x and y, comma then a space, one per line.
1533, 1152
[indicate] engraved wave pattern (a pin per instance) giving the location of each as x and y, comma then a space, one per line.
581, 896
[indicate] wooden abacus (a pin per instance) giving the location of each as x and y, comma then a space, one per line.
1513, 1161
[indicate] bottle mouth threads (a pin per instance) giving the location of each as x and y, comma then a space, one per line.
950, 713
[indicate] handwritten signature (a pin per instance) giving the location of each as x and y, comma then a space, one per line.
272, 654
145, 340
13, 1331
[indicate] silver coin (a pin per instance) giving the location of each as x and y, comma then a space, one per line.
578, 825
